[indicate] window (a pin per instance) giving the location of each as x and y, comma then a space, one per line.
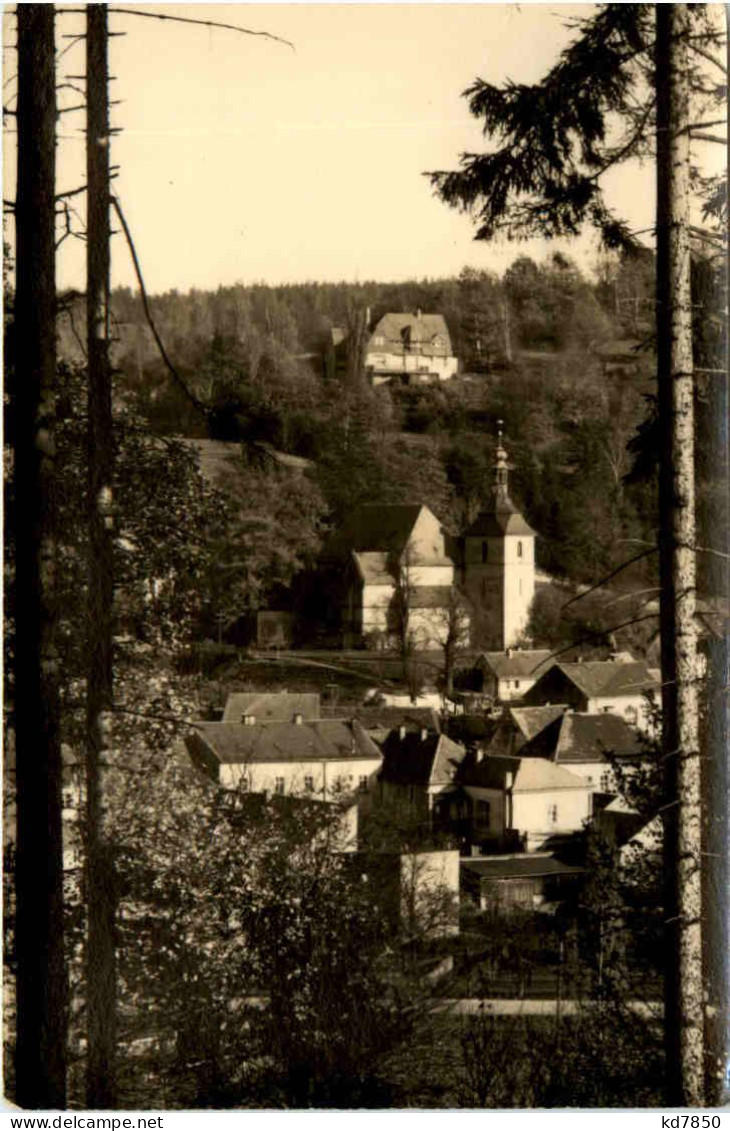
553, 814
632, 715
279, 785
309, 783
606, 782
363, 783
519, 549
485, 551
484, 810
517, 683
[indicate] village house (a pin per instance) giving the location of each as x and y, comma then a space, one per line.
509, 674
525, 803
487, 804
587, 745
518, 725
271, 706
410, 348
322, 758
419, 771
620, 687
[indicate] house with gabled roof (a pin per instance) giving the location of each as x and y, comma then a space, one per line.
271, 706
419, 769
588, 745
518, 725
509, 674
410, 348
595, 686
522, 802
320, 758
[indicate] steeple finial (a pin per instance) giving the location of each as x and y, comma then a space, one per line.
501, 467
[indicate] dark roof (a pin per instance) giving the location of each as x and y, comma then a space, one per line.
490, 772
519, 867
414, 760
424, 330
515, 663
531, 720
390, 718
499, 517
606, 678
319, 740
585, 738
379, 526
268, 706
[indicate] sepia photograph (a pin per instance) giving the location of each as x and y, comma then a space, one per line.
366, 562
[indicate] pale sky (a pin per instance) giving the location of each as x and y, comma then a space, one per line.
242, 160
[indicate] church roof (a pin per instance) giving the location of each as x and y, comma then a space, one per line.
380, 526
498, 518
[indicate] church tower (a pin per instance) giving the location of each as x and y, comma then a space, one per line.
499, 562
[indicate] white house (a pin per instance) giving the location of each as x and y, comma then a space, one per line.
587, 745
509, 674
410, 348
618, 687
526, 801
322, 758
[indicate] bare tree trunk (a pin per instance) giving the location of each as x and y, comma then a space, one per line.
680, 729
41, 972
100, 877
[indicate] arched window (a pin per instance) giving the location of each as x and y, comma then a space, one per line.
519, 549
485, 551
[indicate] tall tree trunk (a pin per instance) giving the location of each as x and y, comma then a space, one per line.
680, 727
100, 876
41, 972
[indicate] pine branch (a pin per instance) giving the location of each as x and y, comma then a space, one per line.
197, 405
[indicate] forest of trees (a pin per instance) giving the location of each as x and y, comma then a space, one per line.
566, 361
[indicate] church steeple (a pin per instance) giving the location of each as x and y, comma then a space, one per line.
501, 469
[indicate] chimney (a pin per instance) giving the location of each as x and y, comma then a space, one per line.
248, 720
402, 732
424, 734
298, 719
478, 754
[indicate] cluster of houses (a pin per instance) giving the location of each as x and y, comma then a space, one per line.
511, 798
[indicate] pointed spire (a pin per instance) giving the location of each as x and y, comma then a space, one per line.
501, 468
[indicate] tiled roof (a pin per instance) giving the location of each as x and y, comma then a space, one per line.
516, 663
498, 518
414, 760
267, 706
531, 720
424, 329
606, 678
519, 867
384, 527
536, 774
391, 718
321, 740
584, 738
490, 772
